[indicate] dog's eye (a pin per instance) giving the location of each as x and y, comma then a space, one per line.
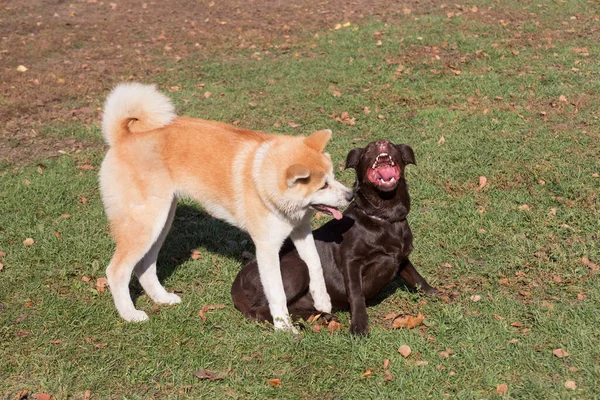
325, 186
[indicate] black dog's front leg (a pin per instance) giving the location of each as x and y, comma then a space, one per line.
359, 324
414, 279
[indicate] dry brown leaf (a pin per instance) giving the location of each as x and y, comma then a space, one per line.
589, 264
482, 182
560, 353
367, 373
446, 353
87, 395
442, 140
404, 350
56, 341
202, 312
571, 385
101, 284
334, 326
28, 242
208, 375
516, 324
525, 207
562, 98
1, 266
475, 297
85, 279
275, 382
292, 124
195, 254
43, 396
316, 328
22, 395
336, 93
408, 321
502, 389
421, 363
207, 95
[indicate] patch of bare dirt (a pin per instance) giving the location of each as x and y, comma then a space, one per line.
74, 52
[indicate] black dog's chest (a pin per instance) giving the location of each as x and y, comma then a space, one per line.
382, 240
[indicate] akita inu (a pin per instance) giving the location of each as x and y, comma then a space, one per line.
266, 184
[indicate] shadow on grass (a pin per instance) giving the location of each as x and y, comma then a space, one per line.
192, 229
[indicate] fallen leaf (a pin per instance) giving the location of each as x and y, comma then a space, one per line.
28, 242
367, 373
275, 382
386, 371
386, 363
406, 11
336, 93
420, 363
334, 326
43, 396
525, 207
202, 312
1, 266
475, 297
293, 124
560, 353
571, 385
502, 389
23, 395
208, 375
101, 284
515, 52
207, 94
442, 140
589, 264
86, 167
408, 321
562, 98
195, 254
57, 341
65, 216
404, 350
316, 328
446, 353
85, 279
516, 324
87, 395
22, 68
378, 43
482, 182
83, 200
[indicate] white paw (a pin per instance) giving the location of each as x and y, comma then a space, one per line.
284, 324
135, 316
322, 301
168, 298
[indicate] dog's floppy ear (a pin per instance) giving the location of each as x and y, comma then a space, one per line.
318, 140
353, 157
408, 155
296, 172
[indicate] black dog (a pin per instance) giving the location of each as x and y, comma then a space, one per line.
360, 254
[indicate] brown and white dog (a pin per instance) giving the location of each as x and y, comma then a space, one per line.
266, 184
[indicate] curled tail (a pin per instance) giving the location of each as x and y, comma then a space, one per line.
134, 107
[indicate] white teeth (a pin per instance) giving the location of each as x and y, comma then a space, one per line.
374, 165
393, 179
393, 163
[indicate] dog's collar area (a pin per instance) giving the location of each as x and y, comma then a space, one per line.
375, 217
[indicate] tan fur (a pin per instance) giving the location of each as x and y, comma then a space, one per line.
239, 175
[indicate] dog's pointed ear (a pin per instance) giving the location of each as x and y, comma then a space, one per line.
318, 140
407, 153
296, 172
353, 157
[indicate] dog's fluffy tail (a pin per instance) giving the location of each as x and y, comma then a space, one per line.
134, 107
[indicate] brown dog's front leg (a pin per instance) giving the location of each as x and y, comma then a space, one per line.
414, 279
359, 324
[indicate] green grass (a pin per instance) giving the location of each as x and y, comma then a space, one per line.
501, 118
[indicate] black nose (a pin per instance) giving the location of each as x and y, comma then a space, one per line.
349, 196
382, 144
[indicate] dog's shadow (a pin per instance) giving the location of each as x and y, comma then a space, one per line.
193, 228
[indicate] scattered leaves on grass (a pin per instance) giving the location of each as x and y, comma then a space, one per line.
202, 312
195, 254
571, 385
408, 321
367, 373
101, 284
404, 350
345, 119
275, 382
589, 264
28, 242
207, 374
502, 389
560, 353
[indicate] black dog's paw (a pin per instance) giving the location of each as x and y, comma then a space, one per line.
359, 328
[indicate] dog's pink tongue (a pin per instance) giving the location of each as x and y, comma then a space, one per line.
387, 172
335, 212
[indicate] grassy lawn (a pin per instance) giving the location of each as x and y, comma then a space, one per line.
509, 91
